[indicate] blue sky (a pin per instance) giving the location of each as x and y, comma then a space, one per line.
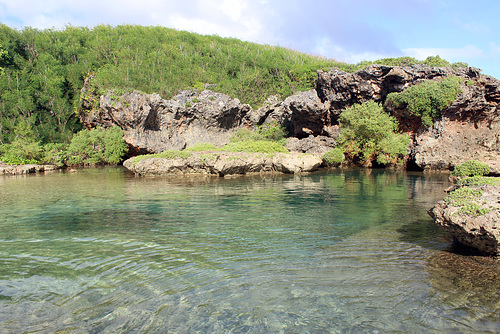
345, 30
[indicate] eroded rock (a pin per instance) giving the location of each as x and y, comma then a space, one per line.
481, 232
226, 163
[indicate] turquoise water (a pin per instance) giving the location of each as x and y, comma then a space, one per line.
102, 251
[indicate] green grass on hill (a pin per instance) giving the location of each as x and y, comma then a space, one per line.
42, 71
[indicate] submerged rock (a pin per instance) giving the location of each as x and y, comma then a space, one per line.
225, 163
480, 231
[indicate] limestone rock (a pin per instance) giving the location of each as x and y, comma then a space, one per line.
318, 145
152, 124
226, 163
468, 130
340, 90
25, 169
303, 114
479, 232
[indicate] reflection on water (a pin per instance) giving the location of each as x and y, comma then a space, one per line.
341, 252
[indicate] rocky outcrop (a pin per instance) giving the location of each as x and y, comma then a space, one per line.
302, 114
317, 145
468, 130
340, 90
481, 232
152, 124
25, 169
226, 163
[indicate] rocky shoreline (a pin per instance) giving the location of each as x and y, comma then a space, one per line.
468, 129
26, 169
225, 164
477, 223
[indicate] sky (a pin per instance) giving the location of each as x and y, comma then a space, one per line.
344, 30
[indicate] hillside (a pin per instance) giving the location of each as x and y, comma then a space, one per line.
43, 71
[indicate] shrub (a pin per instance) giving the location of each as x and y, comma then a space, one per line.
334, 157
426, 100
97, 146
368, 134
471, 168
55, 153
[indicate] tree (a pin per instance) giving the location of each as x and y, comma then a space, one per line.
369, 134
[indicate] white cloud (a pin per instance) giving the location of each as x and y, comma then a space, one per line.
466, 52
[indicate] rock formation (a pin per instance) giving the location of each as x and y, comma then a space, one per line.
481, 232
468, 129
226, 163
152, 124
25, 169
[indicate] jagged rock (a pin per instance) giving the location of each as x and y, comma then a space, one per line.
480, 232
318, 145
152, 124
303, 114
340, 90
226, 163
468, 129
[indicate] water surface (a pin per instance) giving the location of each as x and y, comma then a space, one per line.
102, 251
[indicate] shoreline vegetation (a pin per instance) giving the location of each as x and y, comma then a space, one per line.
42, 73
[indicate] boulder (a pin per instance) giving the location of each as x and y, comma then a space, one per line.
303, 114
481, 232
318, 145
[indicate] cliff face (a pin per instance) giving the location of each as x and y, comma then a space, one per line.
468, 129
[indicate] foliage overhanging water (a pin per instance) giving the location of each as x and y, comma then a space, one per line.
102, 251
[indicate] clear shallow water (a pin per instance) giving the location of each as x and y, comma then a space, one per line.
102, 251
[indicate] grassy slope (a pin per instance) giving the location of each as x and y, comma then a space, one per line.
45, 70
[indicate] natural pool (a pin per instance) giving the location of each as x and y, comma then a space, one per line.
352, 251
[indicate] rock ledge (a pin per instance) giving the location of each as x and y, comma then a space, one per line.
226, 163
479, 232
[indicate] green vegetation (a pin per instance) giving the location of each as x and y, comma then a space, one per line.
479, 181
200, 147
257, 146
370, 134
266, 132
87, 147
433, 61
169, 154
42, 73
466, 198
334, 157
471, 168
427, 99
